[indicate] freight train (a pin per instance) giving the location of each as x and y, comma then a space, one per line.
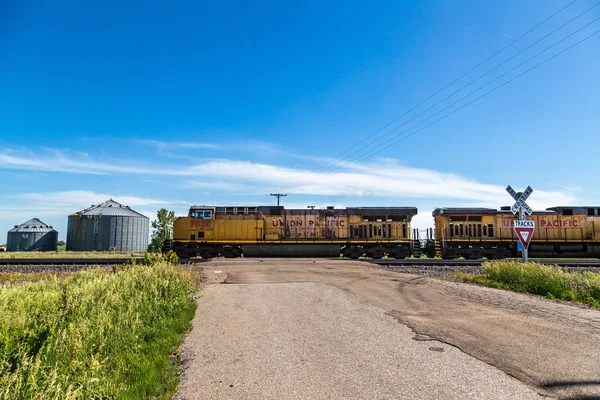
378, 232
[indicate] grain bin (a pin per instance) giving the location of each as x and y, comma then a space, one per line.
33, 235
108, 226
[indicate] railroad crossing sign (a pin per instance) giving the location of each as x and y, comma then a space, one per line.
524, 230
520, 200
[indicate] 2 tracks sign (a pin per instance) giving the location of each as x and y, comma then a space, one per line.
524, 230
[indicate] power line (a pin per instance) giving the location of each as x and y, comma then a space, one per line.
478, 98
471, 82
451, 83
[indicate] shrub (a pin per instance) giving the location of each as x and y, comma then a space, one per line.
545, 280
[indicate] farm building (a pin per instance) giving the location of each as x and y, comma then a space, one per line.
107, 226
33, 235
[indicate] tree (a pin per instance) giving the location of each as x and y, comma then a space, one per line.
163, 229
61, 243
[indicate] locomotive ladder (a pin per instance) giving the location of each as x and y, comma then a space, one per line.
438, 249
415, 244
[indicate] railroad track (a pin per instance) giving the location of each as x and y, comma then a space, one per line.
65, 261
409, 262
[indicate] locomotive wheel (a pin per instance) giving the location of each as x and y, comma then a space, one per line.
376, 253
231, 252
354, 253
206, 254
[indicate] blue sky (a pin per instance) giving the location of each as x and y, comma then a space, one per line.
175, 103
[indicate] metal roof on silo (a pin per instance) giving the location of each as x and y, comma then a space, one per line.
34, 225
110, 208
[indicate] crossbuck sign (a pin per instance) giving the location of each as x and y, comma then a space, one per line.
520, 201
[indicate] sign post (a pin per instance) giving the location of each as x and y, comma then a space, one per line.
523, 228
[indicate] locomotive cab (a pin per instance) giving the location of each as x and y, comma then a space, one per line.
201, 223
196, 227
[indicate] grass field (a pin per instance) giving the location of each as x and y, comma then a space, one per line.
101, 334
544, 280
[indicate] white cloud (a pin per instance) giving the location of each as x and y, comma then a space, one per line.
383, 178
86, 198
422, 221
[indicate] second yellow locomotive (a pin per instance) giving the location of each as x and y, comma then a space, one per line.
570, 231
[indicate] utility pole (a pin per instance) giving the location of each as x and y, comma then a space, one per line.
278, 195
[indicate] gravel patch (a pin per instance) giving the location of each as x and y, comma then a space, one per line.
446, 271
436, 270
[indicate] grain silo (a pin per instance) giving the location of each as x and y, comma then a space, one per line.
107, 226
33, 235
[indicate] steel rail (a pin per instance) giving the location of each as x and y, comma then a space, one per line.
385, 262
65, 261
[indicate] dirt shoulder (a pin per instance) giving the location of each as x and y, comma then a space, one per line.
552, 346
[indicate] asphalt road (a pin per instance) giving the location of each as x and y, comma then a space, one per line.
353, 330
313, 341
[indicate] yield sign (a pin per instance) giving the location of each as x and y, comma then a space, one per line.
524, 230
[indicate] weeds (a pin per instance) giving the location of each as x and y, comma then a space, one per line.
544, 280
94, 334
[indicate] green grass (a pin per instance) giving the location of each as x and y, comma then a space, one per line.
70, 254
94, 334
544, 280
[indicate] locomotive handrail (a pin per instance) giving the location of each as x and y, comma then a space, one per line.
262, 215
443, 238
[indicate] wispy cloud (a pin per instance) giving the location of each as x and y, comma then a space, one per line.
57, 161
185, 145
381, 178
85, 198
229, 145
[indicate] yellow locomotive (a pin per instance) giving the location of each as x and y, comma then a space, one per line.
572, 231
275, 231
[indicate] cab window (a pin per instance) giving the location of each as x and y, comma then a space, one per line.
201, 214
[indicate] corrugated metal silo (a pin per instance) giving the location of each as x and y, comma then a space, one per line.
108, 226
33, 235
